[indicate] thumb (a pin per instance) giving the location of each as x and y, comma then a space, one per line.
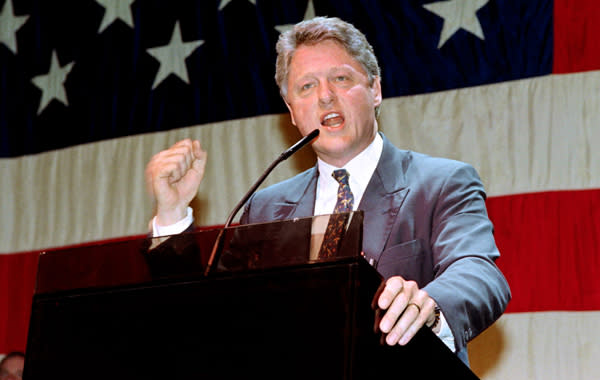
200, 156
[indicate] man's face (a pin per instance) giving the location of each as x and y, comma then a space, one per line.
12, 369
329, 90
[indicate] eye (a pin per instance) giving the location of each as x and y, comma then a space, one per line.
341, 78
307, 86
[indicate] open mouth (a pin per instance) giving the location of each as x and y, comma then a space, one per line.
333, 119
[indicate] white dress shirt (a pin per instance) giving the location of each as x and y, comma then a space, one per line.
175, 228
360, 170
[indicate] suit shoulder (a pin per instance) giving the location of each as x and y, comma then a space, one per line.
410, 161
422, 159
277, 201
425, 172
288, 187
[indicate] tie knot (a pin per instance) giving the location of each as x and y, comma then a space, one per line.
341, 175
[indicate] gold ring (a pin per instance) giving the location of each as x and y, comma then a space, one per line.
415, 305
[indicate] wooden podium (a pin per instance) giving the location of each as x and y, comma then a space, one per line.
118, 311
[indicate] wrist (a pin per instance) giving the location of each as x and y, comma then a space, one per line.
171, 216
175, 228
435, 324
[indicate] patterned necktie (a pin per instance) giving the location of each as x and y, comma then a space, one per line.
345, 202
345, 199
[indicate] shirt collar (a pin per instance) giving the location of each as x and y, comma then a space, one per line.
361, 167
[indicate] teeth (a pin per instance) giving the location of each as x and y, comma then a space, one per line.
331, 115
332, 119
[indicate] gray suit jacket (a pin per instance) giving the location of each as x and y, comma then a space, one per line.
424, 219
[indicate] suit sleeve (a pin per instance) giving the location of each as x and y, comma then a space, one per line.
468, 286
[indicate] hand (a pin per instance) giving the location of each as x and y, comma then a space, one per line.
407, 308
173, 177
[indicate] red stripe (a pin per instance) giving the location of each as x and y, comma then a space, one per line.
576, 31
17, 283
17, 279
550, 246
550, 249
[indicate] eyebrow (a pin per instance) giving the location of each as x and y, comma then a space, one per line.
344, 68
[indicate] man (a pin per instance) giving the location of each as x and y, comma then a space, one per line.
425, 224
11, 366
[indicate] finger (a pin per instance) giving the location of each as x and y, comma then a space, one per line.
393, 287
195, 157
197, 149
399, 315
378, 316
182, 143
406, 331
199, 162
185, 147
182, 154
411, 323
394, 312
413, 328
172, 171
375, 301
173, 163
409, 316
162, 162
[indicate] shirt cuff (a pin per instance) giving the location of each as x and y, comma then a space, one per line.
445, 333
175, 228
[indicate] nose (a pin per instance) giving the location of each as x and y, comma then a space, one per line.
326, 94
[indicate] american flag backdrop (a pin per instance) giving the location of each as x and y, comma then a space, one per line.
91, 89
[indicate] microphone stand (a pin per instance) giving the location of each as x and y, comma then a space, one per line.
218, 246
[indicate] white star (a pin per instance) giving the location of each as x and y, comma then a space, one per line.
308, 14
52, 84
9, 24
115, 10
457, 14
224, 3
172, 56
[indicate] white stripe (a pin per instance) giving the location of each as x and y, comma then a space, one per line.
97, 191
522, 136
545, 346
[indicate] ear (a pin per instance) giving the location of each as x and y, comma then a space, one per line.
289, 107
376, 91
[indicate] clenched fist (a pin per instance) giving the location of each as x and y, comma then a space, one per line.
173, 177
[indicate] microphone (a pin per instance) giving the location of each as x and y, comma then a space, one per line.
218, 246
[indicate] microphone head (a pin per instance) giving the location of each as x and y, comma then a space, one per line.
313, 134
303, 141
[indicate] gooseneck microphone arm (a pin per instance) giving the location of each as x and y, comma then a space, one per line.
218, 246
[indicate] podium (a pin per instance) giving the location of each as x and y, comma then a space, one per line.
142, 309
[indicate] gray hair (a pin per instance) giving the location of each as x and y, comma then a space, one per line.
319, 29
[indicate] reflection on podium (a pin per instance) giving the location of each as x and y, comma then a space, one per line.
272, 309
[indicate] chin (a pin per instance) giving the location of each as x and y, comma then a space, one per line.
328, 142
334, 150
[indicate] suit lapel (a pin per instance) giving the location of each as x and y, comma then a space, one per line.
299, 200
382, 199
